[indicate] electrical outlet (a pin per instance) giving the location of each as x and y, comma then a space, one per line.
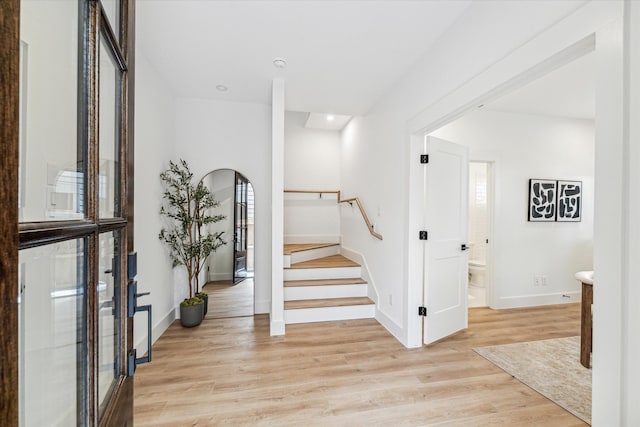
536, 280
543, 280
390, 299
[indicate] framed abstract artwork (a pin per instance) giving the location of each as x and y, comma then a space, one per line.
542, 200
569, 205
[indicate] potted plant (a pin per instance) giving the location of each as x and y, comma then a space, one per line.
191, 312
205, 298
187, 207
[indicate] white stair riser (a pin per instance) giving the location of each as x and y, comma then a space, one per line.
294, 293
316, 253
327, 314
287, 261
322, 273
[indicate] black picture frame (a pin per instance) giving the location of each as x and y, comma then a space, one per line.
542, 205
569, 201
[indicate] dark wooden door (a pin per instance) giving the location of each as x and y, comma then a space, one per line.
66, 97
240, 224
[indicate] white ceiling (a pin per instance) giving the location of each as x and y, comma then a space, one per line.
568, 91
342, 56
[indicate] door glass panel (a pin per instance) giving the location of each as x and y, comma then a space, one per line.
108, 314
112, 10
240, 232
109, 136
52, 334
51, 185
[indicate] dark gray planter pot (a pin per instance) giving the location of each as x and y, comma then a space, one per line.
206, 304
191, 315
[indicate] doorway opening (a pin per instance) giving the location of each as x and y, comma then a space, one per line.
480, 210
229, 272
531, 160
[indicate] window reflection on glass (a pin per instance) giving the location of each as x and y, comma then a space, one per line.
51, 179
108, 187
108, 308
51, 333
112, 10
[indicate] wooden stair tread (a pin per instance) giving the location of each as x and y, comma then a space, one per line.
323, 303
324, 282
326, 262
290, 248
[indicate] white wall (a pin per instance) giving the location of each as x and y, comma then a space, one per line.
220, 263
372, 168
522, 147
214, 135
311, 162
472, 61
154, 147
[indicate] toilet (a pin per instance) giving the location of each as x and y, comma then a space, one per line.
476, 273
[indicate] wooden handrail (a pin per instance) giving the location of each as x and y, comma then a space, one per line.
341, 200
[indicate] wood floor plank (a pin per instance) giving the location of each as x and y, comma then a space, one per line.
229, 300
327, 262
347, 373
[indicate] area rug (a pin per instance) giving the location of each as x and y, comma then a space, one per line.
550, 367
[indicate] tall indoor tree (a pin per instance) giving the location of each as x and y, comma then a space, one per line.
188, 208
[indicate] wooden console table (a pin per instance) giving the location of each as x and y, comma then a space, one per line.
586, 344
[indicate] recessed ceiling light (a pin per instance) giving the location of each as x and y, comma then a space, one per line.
280, 62
331, 117
222, 88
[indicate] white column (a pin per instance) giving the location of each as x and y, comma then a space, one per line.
608, 227
631, 230
277, 208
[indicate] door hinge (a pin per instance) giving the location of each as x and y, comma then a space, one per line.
422, 311
423, 235
424, 159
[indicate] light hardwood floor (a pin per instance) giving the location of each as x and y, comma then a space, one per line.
351, 373
229, 300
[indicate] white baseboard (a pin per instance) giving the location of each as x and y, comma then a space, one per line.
311, 238
262, 307
538, 299
156, 332
391, 326
322, 273
328, 314
276, 327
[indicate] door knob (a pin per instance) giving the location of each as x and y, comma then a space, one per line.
464, 247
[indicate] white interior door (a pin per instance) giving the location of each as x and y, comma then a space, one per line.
446, 264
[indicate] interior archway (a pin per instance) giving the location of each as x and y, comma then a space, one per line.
229, 272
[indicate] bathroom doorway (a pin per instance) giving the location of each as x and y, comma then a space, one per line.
480, 214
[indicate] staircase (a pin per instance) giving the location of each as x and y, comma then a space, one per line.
322, 285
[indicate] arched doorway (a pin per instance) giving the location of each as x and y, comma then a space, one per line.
229, 271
